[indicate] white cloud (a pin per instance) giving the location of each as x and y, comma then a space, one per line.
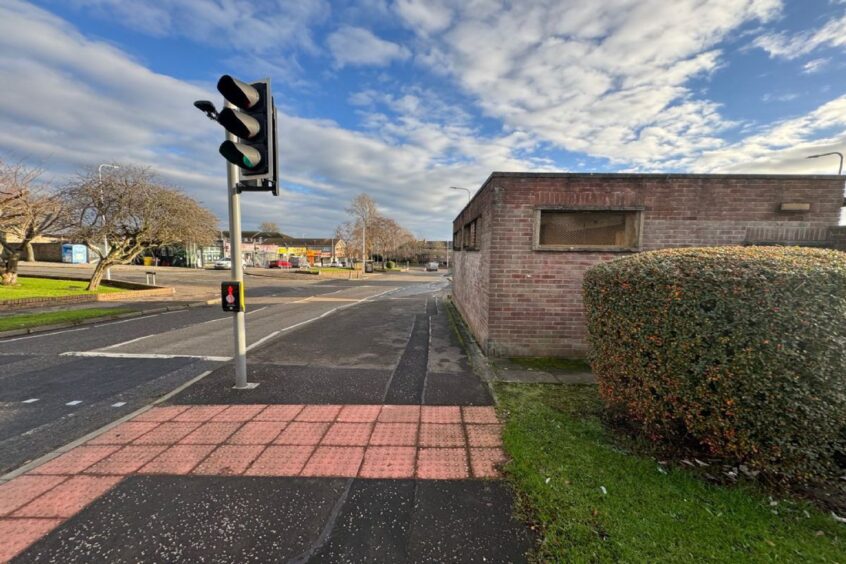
815, 65
426, 16
69, 102
357, 46
609, 79
792, 46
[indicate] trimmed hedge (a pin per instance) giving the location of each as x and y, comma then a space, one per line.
741, 350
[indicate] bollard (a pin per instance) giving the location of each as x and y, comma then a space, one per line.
151, 278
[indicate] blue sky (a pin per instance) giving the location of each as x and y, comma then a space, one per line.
404, 98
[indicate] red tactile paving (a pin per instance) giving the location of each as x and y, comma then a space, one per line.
229, 460
484, 462
302, 433
160, 414
69, 497
199, 413
287, 460
239, 412
483, 415
257, 433
388, 462
440, 414
179, 459
348, 434
166, 433
124, 433
442, 464
279, 413
17, 534
334, 461
394, 434
211, 433
319, 413
127, 460
400, 414
24, 489
484, 435
76, 460
441, 435
359, 413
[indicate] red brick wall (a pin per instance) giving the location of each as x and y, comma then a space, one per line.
521, 302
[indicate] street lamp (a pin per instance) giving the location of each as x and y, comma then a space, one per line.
105, 237
839, 170
469, 195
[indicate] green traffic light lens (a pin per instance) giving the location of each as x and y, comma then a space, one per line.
247, 162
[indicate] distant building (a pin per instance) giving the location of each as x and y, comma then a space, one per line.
260, 247
522, 244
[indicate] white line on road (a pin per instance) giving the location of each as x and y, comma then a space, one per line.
127, 342
44, 334
256, 310
119, 404
74, 402
30, 400
145, 355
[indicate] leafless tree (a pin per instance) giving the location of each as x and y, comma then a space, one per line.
269, 227
28, 209
133, 211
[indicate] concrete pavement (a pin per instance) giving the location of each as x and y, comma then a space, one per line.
367, 440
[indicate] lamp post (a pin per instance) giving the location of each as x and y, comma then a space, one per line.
839, 154
105, 237
469, 194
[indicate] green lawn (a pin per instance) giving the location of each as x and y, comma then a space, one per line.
552, 364
47, 288
595, 501
27, 320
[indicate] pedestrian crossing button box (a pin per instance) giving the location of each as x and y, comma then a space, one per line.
232, 296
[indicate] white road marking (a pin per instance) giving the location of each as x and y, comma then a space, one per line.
30, 400
74, 402
256, 310
174, 311
45, 334
119, 404
127, 342
146, 355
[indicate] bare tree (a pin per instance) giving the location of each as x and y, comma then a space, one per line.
27, 210
133, 211
363, 209
269, 227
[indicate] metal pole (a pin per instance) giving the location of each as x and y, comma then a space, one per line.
240, 355
363, 245
105, 238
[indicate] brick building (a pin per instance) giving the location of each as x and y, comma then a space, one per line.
524, 241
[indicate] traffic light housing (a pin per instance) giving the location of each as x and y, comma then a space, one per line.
253, 122
232, 296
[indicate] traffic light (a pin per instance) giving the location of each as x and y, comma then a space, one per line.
232, 296
254, 124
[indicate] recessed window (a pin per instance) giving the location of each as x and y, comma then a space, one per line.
456, 241
588, 230
470, 240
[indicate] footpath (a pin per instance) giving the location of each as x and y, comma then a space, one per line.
368, 439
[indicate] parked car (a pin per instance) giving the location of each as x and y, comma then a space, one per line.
279, 264
226, 264
431, 267
335, 264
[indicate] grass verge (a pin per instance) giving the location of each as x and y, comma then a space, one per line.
49, 288
27, 320
594, 500
552, 364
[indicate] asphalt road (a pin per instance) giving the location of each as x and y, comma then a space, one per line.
58, 386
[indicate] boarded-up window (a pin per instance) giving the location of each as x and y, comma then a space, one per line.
577, 229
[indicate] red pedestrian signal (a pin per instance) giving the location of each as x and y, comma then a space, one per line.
232, 296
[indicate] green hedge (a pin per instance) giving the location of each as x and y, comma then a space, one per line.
739, 350
390, 265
